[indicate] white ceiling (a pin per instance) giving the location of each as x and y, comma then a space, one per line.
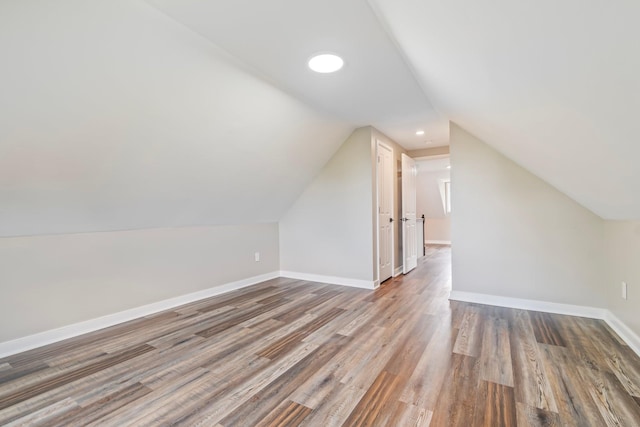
276, 38
114, 116
433, 165
554, 85
118, 115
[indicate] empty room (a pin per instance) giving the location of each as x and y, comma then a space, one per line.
319, 213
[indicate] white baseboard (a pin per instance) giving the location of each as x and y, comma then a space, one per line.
629, 337
19, 345
437, 242
397, 271
528, 304
333, 280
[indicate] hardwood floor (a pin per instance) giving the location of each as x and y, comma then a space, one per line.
298, 353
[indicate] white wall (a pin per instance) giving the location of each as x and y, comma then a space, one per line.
622, 246
327, 231
114, 116
57, 280
514, 235
429, 202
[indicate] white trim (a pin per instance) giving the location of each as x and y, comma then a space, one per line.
631, 338
628, 336
19, 345
333, 280
377, 207
437, 242
397, 271
528, 304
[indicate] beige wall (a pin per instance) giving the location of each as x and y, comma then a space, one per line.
429, 203
428, 152
622, 246
56, 280
327, 231
514, 235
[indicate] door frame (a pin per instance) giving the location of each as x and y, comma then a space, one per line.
408, 176
377, 211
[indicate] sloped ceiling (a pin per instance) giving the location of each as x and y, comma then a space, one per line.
130, 114
113, 116
554, 85
275, 39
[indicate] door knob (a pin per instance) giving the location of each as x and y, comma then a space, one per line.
390, 219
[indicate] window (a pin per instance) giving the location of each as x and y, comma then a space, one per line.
447, 197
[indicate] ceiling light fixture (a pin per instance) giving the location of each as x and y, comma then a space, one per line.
448, 166
420, 132
325, 63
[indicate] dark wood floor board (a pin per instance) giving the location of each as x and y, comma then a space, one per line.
247, 297
14, 396
362, 354
619, 359
545, 329
424, 386
84, 414
410, 415
335, 327
282, 387
362, 372
528, 416
316, 389
495, 406
575, 405
283, 345
495, 355
336, 407
300, 300
371, 406
47, 416
9, 374
153, 403
469, 339
616, 406
531, 384
238, 390
289, 352
365, 317
287, 414
457, 400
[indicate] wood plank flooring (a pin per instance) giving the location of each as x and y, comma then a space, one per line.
288, 353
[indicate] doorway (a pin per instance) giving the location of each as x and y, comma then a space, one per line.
433, 202
385, 181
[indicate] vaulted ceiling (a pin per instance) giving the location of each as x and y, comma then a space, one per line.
552, 85
128, 113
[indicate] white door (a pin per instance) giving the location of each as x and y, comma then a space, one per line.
385, 211
409, 231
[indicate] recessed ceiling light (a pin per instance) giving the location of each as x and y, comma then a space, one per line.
448, 166
420, 132
325, 63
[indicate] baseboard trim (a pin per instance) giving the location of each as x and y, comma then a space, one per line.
333, 280
40, 339
627, 335
397, 271
437, 242
528, 304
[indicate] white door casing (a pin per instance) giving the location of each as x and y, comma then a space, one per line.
385, 210
409, 231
